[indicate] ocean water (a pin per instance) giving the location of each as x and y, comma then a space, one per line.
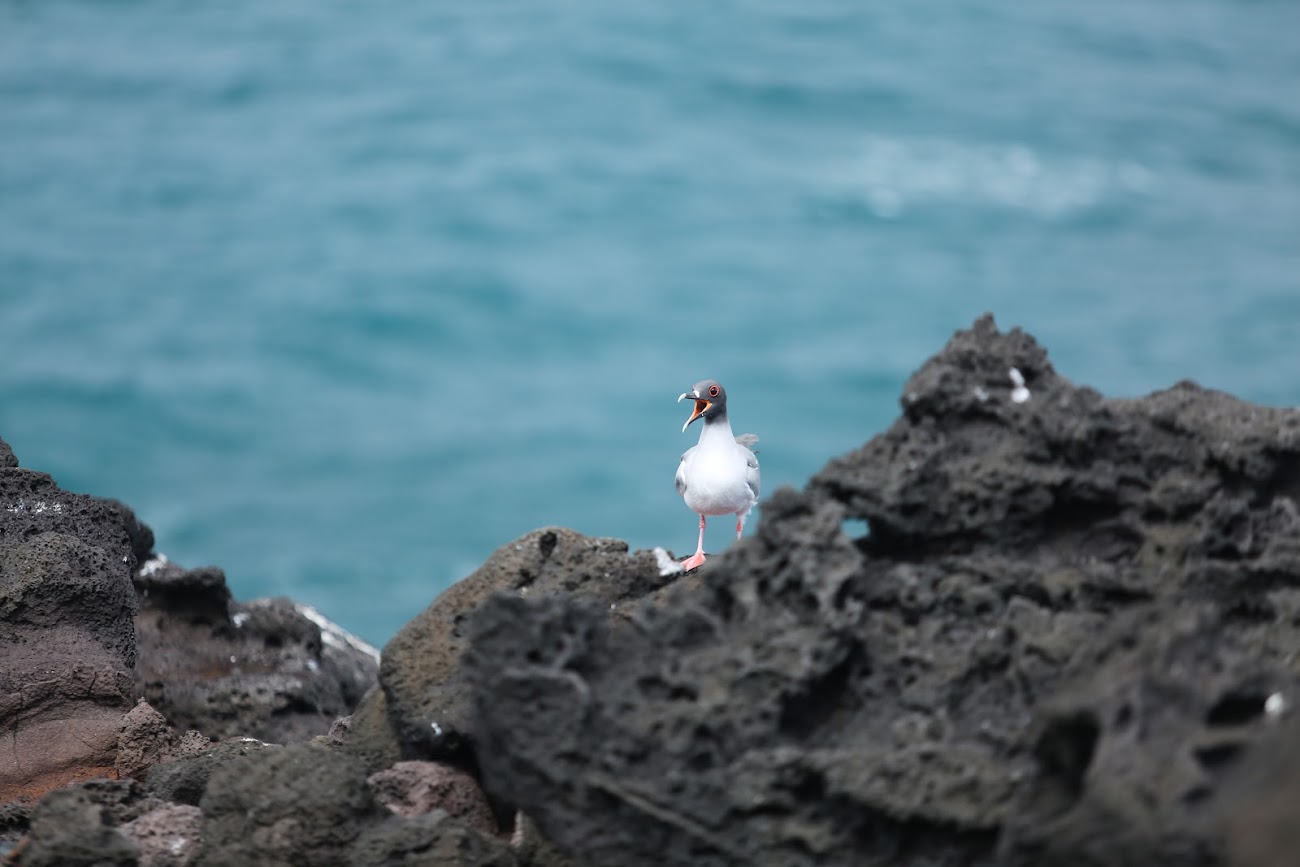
340, 297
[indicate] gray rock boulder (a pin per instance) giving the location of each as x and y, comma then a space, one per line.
423, 710
269, 669
68, 647
1065, 621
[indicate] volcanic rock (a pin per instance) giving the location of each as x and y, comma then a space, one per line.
77, 826
429, 840
415, 788
1258, 804
66, 635
169, 836
183, 780
268, 669
1063, 626
7, 458
424, 709
144, 739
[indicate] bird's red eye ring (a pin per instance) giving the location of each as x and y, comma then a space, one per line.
713, 391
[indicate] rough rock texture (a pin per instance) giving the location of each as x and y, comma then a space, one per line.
1070, 634
166, 837
144, 739
1068, 619
296, 805
184, 780
7, 457
78, 826
430, 840
66, 636
307, 805
415, 788
262, 669
424, 710
533, 849
1259, 805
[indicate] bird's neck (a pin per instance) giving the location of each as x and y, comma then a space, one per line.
717, 430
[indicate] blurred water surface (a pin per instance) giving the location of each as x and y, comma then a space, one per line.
342, 297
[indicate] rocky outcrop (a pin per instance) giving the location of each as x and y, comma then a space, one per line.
168, 836
80, 826
79, 642
144, 739
269, 669
415, 788
1027, 625
1066, 621
66, 634
423, 709
309, 805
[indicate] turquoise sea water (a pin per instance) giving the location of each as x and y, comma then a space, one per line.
341, 297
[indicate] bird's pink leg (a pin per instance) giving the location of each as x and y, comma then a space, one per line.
740, 523
696, 559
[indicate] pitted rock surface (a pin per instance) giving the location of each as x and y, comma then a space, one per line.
224, 668
7, 457
415, 788
68, 647
424, 711
1064, 623
78, 826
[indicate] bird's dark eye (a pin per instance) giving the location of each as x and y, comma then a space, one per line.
713, 391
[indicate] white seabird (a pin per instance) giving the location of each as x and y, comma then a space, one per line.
720, 475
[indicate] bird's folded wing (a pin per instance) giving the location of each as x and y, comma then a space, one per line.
681, 474
751, 471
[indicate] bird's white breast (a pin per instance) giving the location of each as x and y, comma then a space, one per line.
716, 473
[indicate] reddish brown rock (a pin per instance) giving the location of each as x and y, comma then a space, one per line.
144, 739
416, 788
67, 642
67, 646
169, 836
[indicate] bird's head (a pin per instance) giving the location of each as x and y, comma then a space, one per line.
710, 401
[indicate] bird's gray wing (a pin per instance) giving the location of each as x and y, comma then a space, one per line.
751, 462
681, 472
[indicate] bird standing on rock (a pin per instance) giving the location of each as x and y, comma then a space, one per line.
720, 475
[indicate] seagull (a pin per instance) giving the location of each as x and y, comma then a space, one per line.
720, 475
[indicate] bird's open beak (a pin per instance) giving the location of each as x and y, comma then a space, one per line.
701, 407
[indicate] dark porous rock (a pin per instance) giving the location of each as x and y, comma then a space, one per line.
427, 712
415, 788
1131, 756
1258, 806
7, 458
15, 818
32, 504
338, 734
372, 736
533, 849
183, 780
299, 805
78, 826
1068, 618
430, 840
169, 836
67, 639
269, 669
67, 644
